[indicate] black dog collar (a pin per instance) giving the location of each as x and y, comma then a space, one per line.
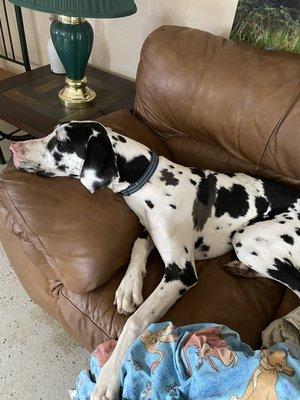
134, 187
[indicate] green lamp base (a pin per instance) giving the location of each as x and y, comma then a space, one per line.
73, 40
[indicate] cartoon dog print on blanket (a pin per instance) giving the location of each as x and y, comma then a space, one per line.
262, 385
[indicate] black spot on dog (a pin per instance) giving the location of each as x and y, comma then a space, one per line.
180, 172
238, 244
52, 144
206, 187
193, 182
42, 172
286, 273
282, 222
241, 231
181, 292
198, 242
132, 170
200, 245
144, 234
288, 239
62, 168
203, 203
232, 234
186, 275
79, 137
217, 228
122, 139
261, 205
233, 201
149, 203
288, 217
230, 174
280, 196
204, 247
197, 171
167, 194
173, 206
57, 156
254, 253
115, 138
171, 166
185, 249
169, 178
297, 230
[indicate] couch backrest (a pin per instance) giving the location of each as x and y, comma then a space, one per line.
220, 104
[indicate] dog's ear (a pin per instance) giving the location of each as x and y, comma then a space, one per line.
99, 167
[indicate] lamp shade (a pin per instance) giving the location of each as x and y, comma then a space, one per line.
81, 8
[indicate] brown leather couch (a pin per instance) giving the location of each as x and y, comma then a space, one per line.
201, 101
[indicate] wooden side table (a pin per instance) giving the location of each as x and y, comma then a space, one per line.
29, 101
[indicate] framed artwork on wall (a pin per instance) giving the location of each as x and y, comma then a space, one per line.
268, 24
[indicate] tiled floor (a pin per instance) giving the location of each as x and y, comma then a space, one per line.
38, 360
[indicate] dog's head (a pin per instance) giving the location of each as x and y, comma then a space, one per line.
78, 149
277, 360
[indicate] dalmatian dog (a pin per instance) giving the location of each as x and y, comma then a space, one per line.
188, 214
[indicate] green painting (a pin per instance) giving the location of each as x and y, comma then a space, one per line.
268, 24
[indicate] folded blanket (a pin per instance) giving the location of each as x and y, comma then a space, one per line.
285, 329
195, 362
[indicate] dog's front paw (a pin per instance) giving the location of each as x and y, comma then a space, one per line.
108, 385
129, 294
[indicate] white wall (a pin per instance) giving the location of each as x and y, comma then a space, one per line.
118, 42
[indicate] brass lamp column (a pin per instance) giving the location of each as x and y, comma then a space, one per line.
73, 40
73, 37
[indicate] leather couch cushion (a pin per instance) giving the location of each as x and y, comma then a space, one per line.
245, 305
235, 97
201, 154
84, 238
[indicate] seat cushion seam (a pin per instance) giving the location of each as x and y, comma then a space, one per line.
199, 84
87, 316
279, 123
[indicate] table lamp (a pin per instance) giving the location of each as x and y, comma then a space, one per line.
73, 37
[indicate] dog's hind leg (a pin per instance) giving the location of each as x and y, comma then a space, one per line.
129, 293
271, 249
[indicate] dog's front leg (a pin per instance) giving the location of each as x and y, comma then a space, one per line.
129, 293
177, 279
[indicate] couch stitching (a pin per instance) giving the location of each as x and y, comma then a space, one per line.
148, 124
87, 316
201, 79
279, 123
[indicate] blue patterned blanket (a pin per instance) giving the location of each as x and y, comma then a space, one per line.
195, 362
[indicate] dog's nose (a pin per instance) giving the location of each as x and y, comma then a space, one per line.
15, 149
